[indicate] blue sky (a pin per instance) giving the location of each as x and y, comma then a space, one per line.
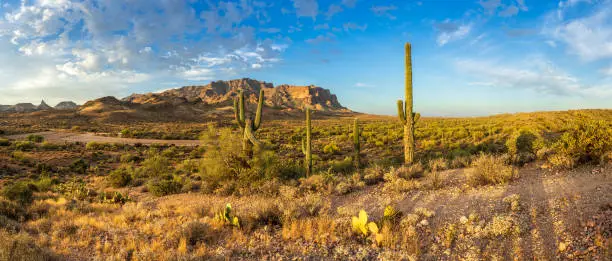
475, 57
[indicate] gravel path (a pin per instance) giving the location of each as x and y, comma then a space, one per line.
60, 137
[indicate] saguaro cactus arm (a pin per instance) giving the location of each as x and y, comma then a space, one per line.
248, 134
260, 103
400, 111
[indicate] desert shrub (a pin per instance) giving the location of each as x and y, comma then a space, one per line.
4, 142
164, 187
24, 145
198, 232
35, 138
21, 247
49, 146
410, 172
344, 166
74, 189
92, 145
21, 192
79, 166
11, 209
45, 183
583, 142
155, 166
128, 158
114, 197
331, 148
120, 177
21, 157
523, 145
490, 169
374, 174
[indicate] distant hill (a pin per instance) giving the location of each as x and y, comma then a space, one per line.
29, 107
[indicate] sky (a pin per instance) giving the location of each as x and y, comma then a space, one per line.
470, 57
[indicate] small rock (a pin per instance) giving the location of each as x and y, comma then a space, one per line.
424, 222
463, 219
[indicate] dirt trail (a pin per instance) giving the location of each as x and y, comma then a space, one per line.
59, 136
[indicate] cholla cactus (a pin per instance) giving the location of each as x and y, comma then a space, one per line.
247, 125
405, 113
356, 144
307, 145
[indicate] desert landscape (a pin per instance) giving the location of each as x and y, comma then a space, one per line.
167, 140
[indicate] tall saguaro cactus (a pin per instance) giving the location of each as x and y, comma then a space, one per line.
307, 145
356, 144
247, 124
405, 113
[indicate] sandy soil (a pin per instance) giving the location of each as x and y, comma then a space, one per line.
60, 137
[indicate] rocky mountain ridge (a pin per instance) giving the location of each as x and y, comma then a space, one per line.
222, 93
29, 107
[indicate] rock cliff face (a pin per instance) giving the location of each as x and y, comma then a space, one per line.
223, 92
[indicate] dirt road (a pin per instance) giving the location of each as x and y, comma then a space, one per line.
60, 137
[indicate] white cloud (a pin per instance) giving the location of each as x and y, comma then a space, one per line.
450, 31
509, 11
534, 74
589, 37
349, 3
67, 43
383, 10
353, 26
363, 85
333, 10
306, 8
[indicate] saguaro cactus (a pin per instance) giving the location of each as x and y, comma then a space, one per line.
247, 124
405, 113
356, 144
307, 145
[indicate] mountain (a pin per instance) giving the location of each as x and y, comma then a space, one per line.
66, 105
44, 106
222, 93
29, 107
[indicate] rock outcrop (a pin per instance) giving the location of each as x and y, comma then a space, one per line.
44, 106
223, 92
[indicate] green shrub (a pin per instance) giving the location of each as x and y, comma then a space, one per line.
4, 142
74, 189
35, 138
114, 197
24, 145
331, 148
489, 169
342, 166
21, 192
164, 187
44, 183
156, 166
79, 166
584, 142
120, 177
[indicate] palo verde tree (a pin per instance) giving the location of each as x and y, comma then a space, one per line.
247, 125
405, 113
